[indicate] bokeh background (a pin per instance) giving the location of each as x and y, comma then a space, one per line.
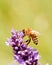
20, 14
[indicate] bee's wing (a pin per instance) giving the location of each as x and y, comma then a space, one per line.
35, 32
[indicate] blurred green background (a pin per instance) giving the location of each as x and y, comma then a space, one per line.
20, 14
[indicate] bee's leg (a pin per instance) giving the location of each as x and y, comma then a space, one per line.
28, 41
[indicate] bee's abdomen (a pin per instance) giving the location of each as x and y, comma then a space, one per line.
35, 40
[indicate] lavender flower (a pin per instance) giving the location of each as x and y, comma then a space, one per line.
23, 54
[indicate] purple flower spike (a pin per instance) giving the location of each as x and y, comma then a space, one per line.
23, 54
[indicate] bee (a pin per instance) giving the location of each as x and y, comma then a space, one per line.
32, 35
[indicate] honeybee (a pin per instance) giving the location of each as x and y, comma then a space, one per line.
32, 35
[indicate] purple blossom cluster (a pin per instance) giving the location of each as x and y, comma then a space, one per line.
23, 54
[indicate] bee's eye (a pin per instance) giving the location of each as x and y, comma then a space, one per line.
23, 30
